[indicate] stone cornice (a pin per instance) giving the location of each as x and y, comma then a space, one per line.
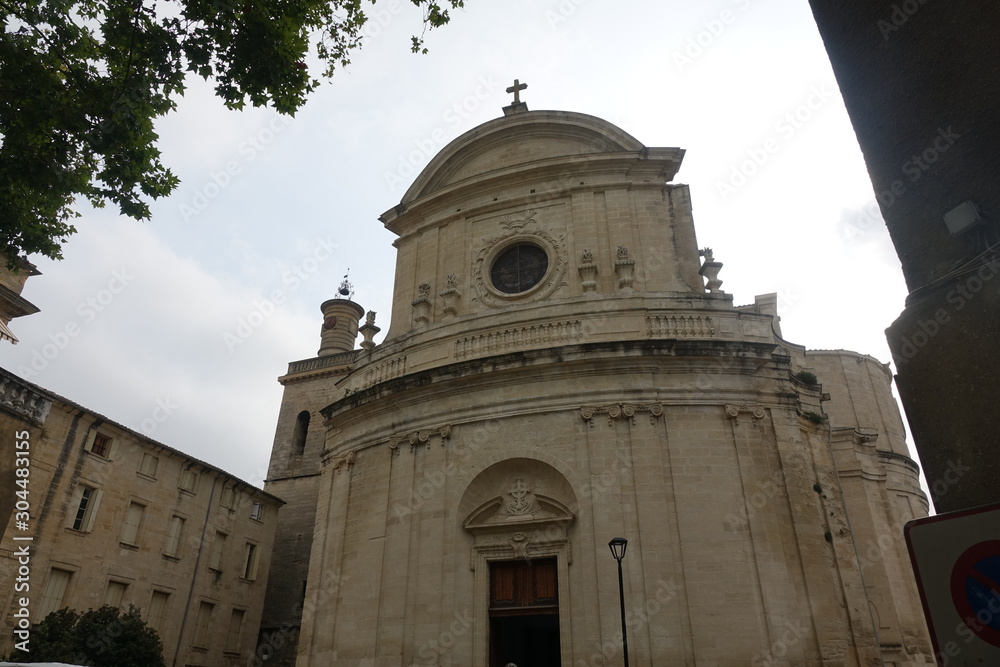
747, 357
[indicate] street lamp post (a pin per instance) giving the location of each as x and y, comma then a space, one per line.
618, 546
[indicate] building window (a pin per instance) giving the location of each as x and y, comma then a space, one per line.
519, 268
235, 633
202, 624
115, 593
257, 511
249, 571
148, 465
53, 593
300, 432
174, 533
218, 550
188, 481
157, 609
99, 444
83, 508
130, 529
228, 497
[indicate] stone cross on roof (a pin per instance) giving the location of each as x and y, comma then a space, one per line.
516, 89
517, 105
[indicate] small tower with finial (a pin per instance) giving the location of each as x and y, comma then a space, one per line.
341, 317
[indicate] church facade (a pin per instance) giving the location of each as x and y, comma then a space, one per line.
562, 368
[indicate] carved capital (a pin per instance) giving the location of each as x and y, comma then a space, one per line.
622, 410
345, 461
419, 437
756, 411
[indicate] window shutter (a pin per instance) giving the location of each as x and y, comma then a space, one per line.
95, 503
88, 444
130, 528
74, 505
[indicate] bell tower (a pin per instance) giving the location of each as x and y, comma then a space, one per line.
294, 470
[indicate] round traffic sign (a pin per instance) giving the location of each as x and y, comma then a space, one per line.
975, 589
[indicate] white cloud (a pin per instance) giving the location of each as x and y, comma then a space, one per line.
323, 175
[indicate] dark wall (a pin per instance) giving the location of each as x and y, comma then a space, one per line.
921, 81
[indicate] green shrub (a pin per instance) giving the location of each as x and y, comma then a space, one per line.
105, 637
806, 377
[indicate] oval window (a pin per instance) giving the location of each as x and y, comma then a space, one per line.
519, 268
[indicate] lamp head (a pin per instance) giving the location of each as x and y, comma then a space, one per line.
618, 546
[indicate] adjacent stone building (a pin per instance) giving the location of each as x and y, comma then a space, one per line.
562, 367
12, 304
118, 518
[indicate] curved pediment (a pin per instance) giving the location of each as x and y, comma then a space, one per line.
516, 493
500, 513
519, 139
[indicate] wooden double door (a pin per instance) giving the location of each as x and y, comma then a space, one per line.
524, 613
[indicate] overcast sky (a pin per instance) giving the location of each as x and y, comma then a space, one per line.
272, 212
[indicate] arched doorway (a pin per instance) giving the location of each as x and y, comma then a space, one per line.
518, 513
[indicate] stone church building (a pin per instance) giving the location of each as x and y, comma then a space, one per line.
562, 368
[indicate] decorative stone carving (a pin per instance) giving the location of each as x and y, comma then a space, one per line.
710, 271
387, 370
522, 502
368, 330
679, 326
420, 437
623, 269
519, 227
519, 543
515, 222
756, 411
345, 461
588, 271
620, 410
516, 338
451, 295
422, 305
23, 401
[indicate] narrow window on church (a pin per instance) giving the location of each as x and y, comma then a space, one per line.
299, 434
